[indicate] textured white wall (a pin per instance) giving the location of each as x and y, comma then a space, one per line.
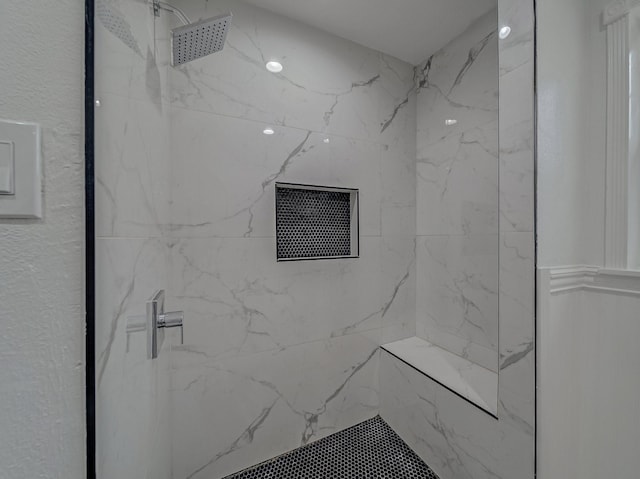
571, 56
42, 420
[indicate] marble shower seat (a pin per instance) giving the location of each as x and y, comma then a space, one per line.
462, 377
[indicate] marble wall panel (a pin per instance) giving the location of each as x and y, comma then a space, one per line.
132, 393
328, 84
277, 355
290, 346
223, 182
458, 440
398, 288
457, 164
517, 313
516, 151
132, 168
239, 300
235, 412
458, 195
459, 300
455, 438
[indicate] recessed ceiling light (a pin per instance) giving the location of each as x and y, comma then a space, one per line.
505, 32
268, 131
274, 66
450, 122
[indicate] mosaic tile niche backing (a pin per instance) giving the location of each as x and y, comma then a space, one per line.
313, 223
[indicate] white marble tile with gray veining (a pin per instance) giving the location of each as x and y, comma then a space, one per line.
238, 300
398, 288
464, 72
133, 166
458, 186
487, 357
475, 383
339, 92
517, 151
398, 165
396, 97
457, 135
225, 184
454, 437
132, 393
398, 181
458, 301
241, 411
517, 290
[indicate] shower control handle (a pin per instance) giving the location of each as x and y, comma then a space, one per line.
158, 321
174, 319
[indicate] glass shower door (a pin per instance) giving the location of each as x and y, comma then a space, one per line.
278, 354
133, 437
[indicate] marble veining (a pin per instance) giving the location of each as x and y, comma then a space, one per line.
132, 394
351, 100
473, 382
290, 347
458, 276
454, 437
458, 195
279, 355
313, 389
206, 199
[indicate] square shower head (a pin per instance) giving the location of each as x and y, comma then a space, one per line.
199, 39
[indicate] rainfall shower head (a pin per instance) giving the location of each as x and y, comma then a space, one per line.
199, 39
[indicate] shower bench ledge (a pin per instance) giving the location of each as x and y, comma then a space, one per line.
468, 380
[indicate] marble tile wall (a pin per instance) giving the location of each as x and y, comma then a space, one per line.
132, 254
458, 440
457, 195
280, 354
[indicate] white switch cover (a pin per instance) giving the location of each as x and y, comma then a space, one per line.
20, 170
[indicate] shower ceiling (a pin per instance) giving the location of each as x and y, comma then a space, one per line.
407, 29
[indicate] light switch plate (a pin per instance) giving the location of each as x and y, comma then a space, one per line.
20, 170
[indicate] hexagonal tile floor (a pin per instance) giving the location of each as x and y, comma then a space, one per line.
370, 450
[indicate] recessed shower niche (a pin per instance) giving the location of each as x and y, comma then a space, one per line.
316, 222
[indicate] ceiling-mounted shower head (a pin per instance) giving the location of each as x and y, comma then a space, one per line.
199, 39
194, 40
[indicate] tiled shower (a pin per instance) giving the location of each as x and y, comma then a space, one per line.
280, 354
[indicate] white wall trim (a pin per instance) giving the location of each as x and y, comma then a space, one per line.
618, 9
617, 201
592, 278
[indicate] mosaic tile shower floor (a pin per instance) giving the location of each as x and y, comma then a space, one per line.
370, 450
